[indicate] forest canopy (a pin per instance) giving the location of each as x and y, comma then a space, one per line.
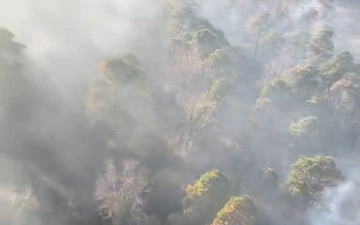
197, 112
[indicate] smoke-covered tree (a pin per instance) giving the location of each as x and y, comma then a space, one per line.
268, 88
261, 26
10, 50
123, 69
310, 176
120, 195
304, 126
336, 67
321, 44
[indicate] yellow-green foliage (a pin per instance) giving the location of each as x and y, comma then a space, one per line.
262, 102
217, 89
202, 35
310, 175
217, 58
202, 111
294, 86
206, 197
187, 30
345, 92
303, 126
237, 211
304, 75
181, 21
275, 87
321, 42
211, 184
338, 66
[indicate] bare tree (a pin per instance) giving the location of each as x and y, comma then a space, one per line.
120, 194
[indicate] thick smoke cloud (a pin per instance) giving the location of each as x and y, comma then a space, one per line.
232, 17
340, 205
68, 38
49, 145
48, 134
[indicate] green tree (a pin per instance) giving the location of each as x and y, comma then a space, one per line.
321, 44
304, 126
310, 176
345, 92
201, 113
277, 92
237, 211
336, 67
260, 28
345, 95
206, 196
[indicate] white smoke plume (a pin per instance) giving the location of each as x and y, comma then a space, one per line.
340, 205
67, 38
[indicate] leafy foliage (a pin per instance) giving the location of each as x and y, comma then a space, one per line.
309, 177
238, 210
268, 89
303, 126
321, 42
206, 196
212, 184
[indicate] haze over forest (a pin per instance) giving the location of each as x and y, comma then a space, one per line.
179, 112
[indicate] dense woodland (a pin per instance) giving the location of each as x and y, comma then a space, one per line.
261, 132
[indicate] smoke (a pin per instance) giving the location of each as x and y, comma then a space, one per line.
49, 145
340, 205
66, 39
233, 17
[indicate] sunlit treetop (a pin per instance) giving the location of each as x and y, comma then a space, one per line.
206, 197
202, 111
237, 211
339, 65
218, 88
210, 184
187, 30
217, 59
345, 92
304, 75
277, 92
293, 86
309, 177
303, 126
321, 43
